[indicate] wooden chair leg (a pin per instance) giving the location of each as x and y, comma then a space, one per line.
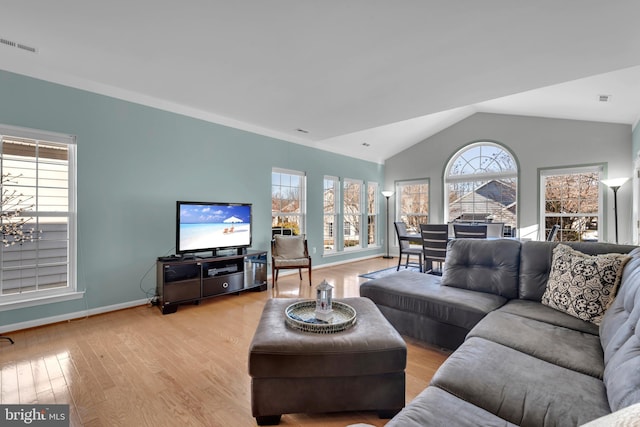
300, 273
309, 276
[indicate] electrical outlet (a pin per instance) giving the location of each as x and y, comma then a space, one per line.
314, 250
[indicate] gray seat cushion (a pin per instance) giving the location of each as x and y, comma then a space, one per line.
524, 389
564, 347
536, 311
434, 407
414, 292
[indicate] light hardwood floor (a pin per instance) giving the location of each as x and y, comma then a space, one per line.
136, 367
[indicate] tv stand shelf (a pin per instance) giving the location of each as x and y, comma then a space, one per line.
190, 281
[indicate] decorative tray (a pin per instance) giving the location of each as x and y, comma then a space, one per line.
301, 315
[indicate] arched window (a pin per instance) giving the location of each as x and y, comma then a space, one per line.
481, 184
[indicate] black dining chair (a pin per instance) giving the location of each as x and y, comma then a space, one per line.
465, 231
435, 238
405, 246
552, 233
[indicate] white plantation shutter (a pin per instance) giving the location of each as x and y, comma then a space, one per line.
41, 167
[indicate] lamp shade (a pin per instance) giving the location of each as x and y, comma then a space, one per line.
614, 182
387, 193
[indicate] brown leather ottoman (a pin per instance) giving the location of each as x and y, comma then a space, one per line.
359, 369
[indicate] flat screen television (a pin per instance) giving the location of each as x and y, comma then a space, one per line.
209, 226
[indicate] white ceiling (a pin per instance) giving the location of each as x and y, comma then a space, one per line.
385, 73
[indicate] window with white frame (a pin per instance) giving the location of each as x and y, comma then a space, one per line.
288, 201
37, 257
412, 203
331, 199
352, 206
481, 185
571, 197
372, 213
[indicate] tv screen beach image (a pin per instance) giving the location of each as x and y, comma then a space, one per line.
205, 226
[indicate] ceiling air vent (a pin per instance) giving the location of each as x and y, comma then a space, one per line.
604, 98
18, 45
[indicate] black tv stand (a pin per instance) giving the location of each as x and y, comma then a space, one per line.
223, 252
183, 281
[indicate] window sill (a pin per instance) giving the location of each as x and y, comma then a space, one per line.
41, 300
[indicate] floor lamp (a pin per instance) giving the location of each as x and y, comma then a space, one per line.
387, 194
615, 184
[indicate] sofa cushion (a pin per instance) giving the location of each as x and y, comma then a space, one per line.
583, 285
490, 266
564, 347
536, 311
435, 407
620, 338
289, 247
524, 390
535, 263
420, 293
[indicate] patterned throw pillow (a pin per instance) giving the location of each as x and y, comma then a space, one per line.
582, 285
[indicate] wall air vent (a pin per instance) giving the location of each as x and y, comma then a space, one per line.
22, 46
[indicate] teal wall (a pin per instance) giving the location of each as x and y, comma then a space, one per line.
134, 162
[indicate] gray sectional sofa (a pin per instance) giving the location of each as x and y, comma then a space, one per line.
517, 361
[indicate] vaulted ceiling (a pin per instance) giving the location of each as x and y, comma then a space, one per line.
364, 78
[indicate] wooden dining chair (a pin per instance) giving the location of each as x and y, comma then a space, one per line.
435, 238
464, 231
552, 233
406, 248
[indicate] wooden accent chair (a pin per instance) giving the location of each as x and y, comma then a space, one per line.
405, 246
434, 246
289, 252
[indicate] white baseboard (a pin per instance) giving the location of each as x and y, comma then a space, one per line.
70, 316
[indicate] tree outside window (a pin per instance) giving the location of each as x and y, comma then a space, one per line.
413, 203
38, 198
572, 199
330, 203
372, 213
288, 202
352, 213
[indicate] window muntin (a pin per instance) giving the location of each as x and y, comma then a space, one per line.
572, 198
413, 203
288, 200
331, 199
481, 183
39, 168
352, 206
